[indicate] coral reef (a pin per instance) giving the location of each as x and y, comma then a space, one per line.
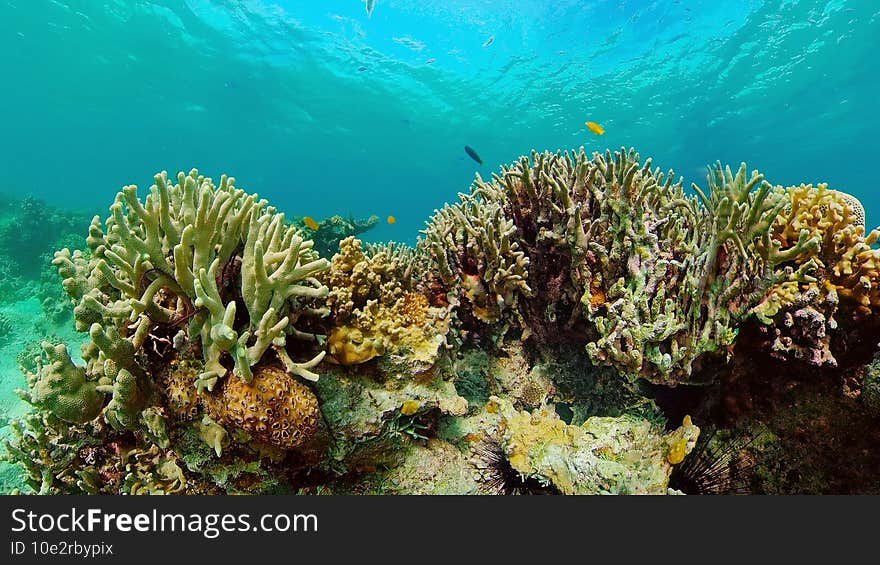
623, 455
474, 256
530, 343
654, 282
174, 258
838, 276
378, 310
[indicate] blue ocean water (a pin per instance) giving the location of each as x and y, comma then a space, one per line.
323, 108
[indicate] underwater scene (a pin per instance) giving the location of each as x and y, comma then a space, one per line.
463, 247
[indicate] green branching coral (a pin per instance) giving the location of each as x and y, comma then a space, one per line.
606, 239
56, 458
648, 277
198, 252
633, 296
62, 387
473, 251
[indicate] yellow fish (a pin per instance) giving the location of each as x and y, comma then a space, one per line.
391, 220
310, 223
595, 128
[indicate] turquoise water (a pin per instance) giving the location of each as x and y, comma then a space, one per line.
323, 109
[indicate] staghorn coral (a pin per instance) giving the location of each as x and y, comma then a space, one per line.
475, 257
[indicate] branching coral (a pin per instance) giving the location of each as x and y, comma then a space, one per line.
476, 258
56, 458
836, 275
602, 259
620, 238
663, 278
200, 253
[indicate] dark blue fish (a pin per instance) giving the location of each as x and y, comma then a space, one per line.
473, 154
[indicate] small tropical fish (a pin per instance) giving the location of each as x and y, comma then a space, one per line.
473, 154
362, 69
391, 220
489, 41
310, 223
595, 128
370, 5
430, 61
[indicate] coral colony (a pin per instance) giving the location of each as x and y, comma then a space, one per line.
509, 351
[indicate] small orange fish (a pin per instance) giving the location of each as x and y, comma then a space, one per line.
391, 220
595, 128
310, 223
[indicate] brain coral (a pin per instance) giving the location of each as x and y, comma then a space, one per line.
275, 407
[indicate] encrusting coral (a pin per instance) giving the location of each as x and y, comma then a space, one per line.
623, 455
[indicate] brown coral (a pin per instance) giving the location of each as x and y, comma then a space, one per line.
836, 278
376, 307
275, 407
414, 309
